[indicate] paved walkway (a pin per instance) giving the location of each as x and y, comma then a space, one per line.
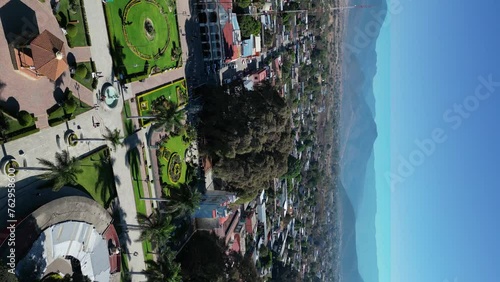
101, 56
81, 54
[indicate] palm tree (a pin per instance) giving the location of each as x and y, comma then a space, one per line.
183, 200
163, 270
168, 117
156, 228
114, 137
61, 172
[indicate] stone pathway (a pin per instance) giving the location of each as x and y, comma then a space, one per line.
104, 64
81, 54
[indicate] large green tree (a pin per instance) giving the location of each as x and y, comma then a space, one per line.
164, 269
198, 266
249, 26
156, 227
61, 172
248, 135
168, 117
114, 137
182, 200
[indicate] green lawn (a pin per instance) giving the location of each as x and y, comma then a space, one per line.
14, 125
16, 130
97, 177
64, 16
135, 50
128, 124
137, 181
169, 91
172, 145
88, 80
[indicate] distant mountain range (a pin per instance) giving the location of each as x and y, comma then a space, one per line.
357, 192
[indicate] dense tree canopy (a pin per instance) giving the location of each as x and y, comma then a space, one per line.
248, 135
249, 26
198, 266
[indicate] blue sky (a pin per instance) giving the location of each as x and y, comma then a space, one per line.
440, 223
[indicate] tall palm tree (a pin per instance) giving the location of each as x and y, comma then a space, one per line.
163, 270
184, 199
61, 172
156, 228
114, 137
168, 117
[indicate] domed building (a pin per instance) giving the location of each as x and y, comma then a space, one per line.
67, 236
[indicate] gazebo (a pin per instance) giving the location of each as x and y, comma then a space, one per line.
44, 56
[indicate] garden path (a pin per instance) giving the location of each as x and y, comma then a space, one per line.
104, 64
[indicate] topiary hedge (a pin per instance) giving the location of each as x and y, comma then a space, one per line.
82, 71
72, 30
24, 118
70, 106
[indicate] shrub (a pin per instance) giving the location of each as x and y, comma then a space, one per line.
81, 71
68, 94
72, 30
70, 106
24, 118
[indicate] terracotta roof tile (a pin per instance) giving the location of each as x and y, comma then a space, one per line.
44, 49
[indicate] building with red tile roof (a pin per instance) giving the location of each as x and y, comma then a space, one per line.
259, 76
44, 57
251, 222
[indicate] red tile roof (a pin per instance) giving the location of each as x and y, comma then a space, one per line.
114, 259
231, 49
48, 55
236, 245
259, 76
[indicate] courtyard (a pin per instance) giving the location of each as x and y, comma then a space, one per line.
18, 91
144, 37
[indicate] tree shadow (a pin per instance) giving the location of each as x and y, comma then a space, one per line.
71, 60
118, 215
19, 22
106, 180
58, 95
59, 81
116, 52
133, 163
10, 106
120, 14
63, 22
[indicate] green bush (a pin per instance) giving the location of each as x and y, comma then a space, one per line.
81, 71
72, 30
24, 118
70, 106
249, 26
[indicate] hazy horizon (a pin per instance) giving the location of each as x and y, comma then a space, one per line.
434, 154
